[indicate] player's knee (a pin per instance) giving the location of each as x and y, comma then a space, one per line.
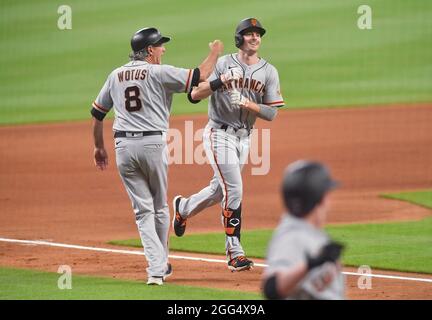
161, 210
142, 215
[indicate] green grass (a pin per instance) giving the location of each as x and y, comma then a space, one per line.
402, 246
322, 57
422, 198
20, 284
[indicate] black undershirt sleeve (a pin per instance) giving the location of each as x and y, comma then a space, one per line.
195, 77
195, 81
97, 114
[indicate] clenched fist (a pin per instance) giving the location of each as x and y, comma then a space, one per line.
217, 46
231, 74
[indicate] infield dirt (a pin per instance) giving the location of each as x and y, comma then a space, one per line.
50, 189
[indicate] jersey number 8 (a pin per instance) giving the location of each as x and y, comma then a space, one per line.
132, 100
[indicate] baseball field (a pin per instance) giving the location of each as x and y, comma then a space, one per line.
359, 100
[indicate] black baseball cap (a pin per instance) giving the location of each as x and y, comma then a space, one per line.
146, 37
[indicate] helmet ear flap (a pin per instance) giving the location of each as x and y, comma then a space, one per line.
238, 40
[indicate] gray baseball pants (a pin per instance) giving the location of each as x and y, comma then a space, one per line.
143, 165
227, 154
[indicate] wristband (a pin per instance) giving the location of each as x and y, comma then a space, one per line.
216, 84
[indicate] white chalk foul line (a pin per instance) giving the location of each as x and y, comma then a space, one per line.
141, 253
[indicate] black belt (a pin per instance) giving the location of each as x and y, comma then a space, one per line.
127, 134
225, 127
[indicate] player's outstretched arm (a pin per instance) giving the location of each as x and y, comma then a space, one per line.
201, 92
100, 154
206, 88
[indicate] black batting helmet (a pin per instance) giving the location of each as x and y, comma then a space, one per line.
304, 185
146, 37
245, 25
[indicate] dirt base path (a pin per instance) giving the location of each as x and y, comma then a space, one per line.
192, 273
49, 188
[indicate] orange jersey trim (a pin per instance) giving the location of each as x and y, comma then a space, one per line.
188, 80
100, 108
273, 103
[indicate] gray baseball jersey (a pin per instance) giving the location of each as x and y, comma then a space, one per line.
291, 241
227, 151
260, 84
141, 94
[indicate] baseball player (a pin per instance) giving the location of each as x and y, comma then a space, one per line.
302, 260
141, 93
242, 87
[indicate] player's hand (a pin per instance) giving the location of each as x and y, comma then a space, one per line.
237, 99
328, 253
231, 75
217, 46
100, 158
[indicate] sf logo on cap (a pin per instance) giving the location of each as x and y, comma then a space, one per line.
253, 22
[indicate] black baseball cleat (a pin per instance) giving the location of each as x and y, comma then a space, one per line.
179, 223
240, 263
168, 272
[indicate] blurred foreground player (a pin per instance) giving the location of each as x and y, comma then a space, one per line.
303, 263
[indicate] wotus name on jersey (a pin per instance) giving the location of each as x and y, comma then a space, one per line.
133, 74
